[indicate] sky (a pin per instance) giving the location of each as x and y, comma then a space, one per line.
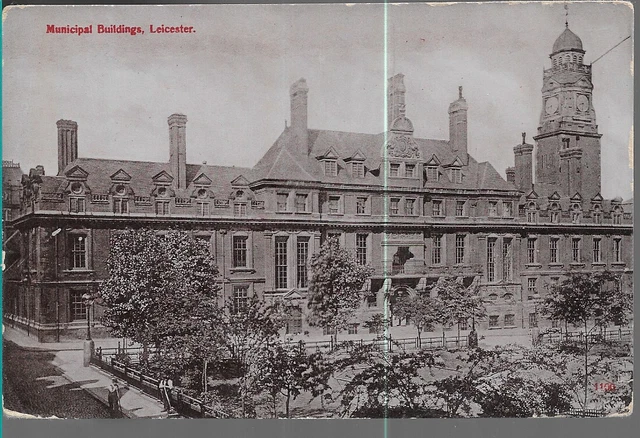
232, 76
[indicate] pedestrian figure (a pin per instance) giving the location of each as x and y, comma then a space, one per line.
114, 399
165, 386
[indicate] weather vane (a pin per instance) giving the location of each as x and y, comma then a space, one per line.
566, 15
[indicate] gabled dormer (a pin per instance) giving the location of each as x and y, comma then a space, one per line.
120, 176
240, 181
432, 169
356, 164
202, 180
76, 173
329, 162
455, 171
162, 182
162, 178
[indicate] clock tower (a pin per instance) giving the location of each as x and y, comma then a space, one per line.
568, 142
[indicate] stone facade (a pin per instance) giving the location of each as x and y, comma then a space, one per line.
415, 209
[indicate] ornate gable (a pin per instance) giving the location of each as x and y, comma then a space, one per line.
554, 196
202, 180
77, 173
162, 178
240, 181
120, 176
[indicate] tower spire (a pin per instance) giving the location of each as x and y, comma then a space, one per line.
566, 15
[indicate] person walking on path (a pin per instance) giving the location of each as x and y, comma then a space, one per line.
114, 399
165, 386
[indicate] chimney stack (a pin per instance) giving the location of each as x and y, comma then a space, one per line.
458, 127
524, 165
67, 143
511, 175
395, 101
178, 149
299, 127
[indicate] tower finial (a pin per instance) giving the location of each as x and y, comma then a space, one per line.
566, 15
460, 92
524, 136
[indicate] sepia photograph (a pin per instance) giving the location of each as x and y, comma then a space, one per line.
379, 211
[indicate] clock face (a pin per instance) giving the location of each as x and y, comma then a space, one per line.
582, 103
551, 105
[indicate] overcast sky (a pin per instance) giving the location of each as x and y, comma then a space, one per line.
231, 77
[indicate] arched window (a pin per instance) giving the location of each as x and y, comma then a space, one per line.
575, 213
554, 213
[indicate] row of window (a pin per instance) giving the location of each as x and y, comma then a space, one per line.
576, 250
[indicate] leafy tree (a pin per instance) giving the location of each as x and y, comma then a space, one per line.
376, 323
283, 372
335, 286
159, 287
455, 303
582, 298
421, 310
249, 335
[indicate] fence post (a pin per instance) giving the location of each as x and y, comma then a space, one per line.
203, 411
444, 342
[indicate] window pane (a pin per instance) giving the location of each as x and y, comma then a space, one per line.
361, 248
282, 202
459, 249
361, 204
491, 259
281, 262
301, 261
240, 298
78, 252
301, 203
239, 251
78, 309
436, 254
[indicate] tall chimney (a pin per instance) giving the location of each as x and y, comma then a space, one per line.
178, 149
395, 102
458, 127
511, 175
67, 143
524, 165
298, 93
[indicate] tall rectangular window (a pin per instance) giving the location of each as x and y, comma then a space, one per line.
76, 205
493, 321
507, 260
302, 254
394, 206
240, 209
460, 208
162, 207
361, 248
334, 204
456, 176
282, 201
509, 320
555, 216
553, 250
301, 203
459, 248
409, 170
78, 252
294, 320
531, 251
531, 286
120, 205
437, 208
78, 309
617, 253
239, 251
409, 207
330, 168
597, 256
436, 251
357, 169
491, 259
203, 208
281, 262
493, 208
533, 320
575, 250
394, 169
432, 173
240, 298
361, 205
507, 209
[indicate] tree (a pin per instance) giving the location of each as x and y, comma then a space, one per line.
335, 286
250, 333
283, 372
159, 286
582, 298
376, 323
455, 303
421, 310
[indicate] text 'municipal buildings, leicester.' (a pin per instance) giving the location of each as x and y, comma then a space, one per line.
415, 209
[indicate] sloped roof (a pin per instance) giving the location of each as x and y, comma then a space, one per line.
100, 170
567, 41
283, 162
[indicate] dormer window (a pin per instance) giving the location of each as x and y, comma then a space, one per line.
617, 215
575, 213
394, 169
432, 173
456, 175
330, 167
555, 213
409, 170
76, 188
357, 169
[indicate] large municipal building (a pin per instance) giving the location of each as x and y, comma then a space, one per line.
415, 209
